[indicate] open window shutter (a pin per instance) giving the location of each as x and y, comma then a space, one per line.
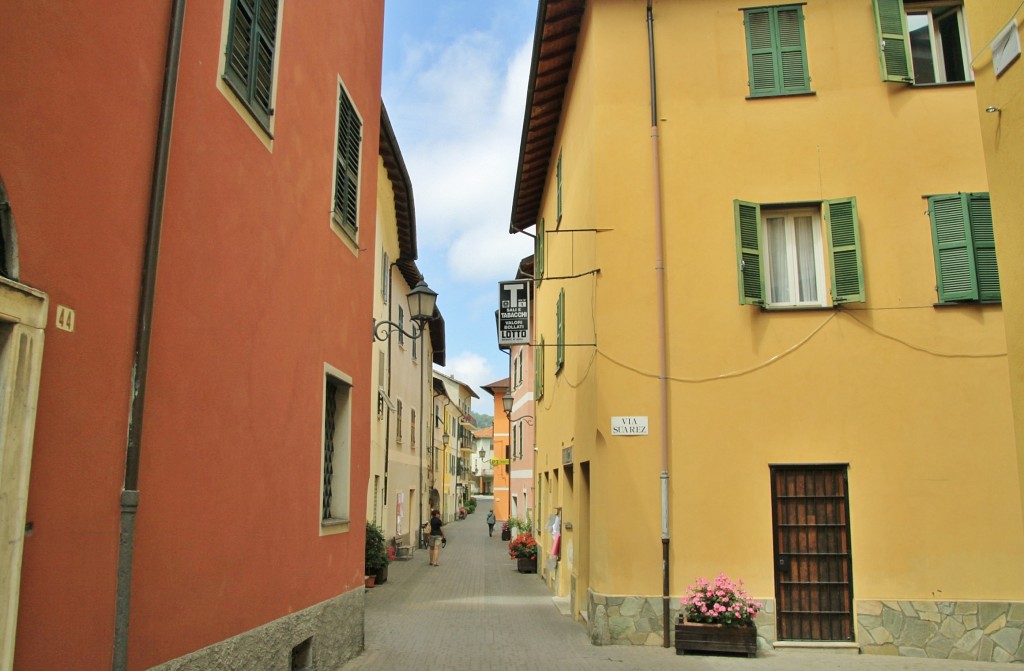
792, 52
844, 250
538, 254
748, 252
560, 350
239, 52
954, 254
350, 131
266, 36
761, 52
893, 41
980, 210
538, 370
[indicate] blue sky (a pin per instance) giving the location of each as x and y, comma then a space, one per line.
454, 83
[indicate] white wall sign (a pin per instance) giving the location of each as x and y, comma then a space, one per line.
629, 426
1005, 47
514, 313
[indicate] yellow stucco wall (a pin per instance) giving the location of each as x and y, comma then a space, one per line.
915, 398
1002, 134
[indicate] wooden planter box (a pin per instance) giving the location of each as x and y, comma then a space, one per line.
700, 637
526, 565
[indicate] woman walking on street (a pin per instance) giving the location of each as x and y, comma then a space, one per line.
436, 536
490, 522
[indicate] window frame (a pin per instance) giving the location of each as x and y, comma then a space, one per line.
560, 317
347, 174
841, 250
336, 456
539, 252
789, 216
780, 67
538, 373
245, 85
895, 52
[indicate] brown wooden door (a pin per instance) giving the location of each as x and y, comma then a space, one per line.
813, 573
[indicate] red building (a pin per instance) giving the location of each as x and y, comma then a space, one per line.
203, 288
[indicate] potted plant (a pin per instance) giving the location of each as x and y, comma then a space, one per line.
523, 548
376, 559
506, 531
717, 616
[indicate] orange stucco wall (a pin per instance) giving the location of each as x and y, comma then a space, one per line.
255, 293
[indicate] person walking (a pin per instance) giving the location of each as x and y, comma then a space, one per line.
490, 522
437, 536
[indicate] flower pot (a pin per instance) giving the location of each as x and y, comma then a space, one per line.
700, 637
371, 580
526, 565
382, 575
506, 534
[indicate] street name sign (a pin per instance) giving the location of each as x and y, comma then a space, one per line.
629, 426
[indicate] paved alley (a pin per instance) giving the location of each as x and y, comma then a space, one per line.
475, 612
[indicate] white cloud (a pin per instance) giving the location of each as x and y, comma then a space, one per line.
487, 254
474, 370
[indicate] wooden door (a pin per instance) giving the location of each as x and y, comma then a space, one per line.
813, 572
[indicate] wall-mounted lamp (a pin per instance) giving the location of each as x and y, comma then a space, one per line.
422, 300
506, 404
444, 439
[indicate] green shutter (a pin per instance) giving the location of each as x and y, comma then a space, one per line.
792, 52
249, 69
560, 316
538, 254
266, 37
842, 230
954, 253
893, 40
346, 187
559, 219
538, 371
761, 48
748, 252
980, 211
239, 48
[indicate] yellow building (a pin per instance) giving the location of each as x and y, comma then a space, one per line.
769, 339
995, 31
453, 436
397, 491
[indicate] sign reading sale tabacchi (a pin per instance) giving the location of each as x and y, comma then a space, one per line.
514, 313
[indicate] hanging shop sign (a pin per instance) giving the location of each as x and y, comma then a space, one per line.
514, 313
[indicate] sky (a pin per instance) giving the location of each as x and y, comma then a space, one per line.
454, 84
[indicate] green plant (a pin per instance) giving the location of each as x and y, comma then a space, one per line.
720, 602
523, 524
523, 546
376, 549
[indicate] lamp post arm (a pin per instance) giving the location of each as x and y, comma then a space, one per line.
382, 330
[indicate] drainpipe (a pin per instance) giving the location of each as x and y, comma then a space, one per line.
144, 327
659, 237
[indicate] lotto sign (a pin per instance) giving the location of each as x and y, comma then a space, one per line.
514, 313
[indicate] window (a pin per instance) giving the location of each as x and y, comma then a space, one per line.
336, 449
413, 428
964, 245
776, 51
560, 316
346, 170
249, 61
385, 277
559, 219
922, 42
401, 326
538, 253
538, 373
781, 252
398, 421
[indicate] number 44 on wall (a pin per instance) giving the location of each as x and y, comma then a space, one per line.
65, 318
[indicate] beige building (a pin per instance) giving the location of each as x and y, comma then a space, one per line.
402, 365
453, 446
769, 339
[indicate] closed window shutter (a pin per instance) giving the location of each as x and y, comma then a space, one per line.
893, 41
346, 189
266, 36
538, 260
560, 350
979, 209
250, 54
792, 54
748, 252
761, 52
954, 253
239, 54
538, 373
844, 249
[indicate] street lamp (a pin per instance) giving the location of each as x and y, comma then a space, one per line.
506, 404
422, 301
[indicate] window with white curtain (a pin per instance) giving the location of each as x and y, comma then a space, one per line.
795, 262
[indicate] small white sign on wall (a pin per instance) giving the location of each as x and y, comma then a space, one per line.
635, 425
1005, 47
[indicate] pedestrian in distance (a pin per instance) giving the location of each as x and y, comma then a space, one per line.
490, 522
437, 536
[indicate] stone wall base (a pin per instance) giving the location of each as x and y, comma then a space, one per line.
986, 631
637, 620
335, 627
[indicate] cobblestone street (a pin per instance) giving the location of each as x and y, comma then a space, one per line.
475, 612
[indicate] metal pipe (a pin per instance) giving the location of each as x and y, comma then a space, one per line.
140, 369
659, 235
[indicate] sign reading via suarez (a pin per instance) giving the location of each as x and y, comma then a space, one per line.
514, 313
629, 426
